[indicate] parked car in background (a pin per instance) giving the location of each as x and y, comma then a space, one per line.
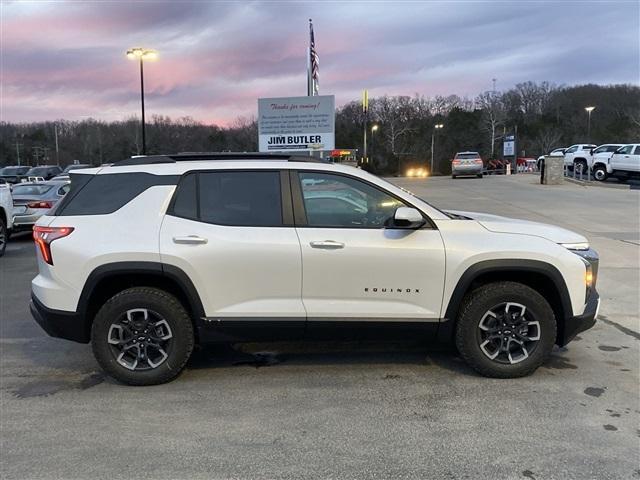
556, 152
32, 200
76, 166
623, 163
47, 172
602, 154
577, 155
467, 163
14, 174
6, 214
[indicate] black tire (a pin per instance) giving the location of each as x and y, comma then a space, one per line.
162, 305
475, 308
453, 176
4, 237
479, 175
600, 173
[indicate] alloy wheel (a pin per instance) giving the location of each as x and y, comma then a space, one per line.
508, 333
140, 339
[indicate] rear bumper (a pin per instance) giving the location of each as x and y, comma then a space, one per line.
574, 325
58, 323
466, 170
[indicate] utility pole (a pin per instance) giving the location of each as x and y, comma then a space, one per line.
493, 80
365, 111
55, 131
18, 145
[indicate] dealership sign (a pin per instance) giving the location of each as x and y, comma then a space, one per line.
296, 123
509, 146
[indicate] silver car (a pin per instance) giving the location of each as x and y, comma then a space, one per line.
32, 200
467, 163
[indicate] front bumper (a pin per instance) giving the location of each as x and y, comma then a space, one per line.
58, 323
574, 325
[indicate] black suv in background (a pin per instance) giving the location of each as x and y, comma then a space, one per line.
44, 171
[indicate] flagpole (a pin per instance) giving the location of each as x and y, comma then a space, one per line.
309, 74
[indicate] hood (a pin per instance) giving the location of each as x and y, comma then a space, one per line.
499, 224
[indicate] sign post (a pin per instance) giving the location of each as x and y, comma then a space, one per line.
296, 124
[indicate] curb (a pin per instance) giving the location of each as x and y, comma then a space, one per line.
595, 183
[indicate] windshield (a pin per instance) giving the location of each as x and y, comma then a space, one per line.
37, 171
31, 189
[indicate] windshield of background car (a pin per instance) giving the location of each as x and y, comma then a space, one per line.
467, 156
38, 171
36, 190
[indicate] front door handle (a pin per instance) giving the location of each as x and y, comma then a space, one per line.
327, 245
190, 240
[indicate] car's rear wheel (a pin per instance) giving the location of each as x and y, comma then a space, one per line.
505, 330
479, 175
453, 176
600, 173
4, 237
142, 336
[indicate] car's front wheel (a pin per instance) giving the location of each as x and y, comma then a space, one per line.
142, 336
505, 330
600, 173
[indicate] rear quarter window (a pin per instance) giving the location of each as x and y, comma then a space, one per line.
104, 194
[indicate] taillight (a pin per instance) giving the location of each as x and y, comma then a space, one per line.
40, 205
456, 162
43, 237
478, 160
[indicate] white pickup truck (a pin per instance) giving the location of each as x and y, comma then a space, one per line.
576, 155
623, 163
6, 214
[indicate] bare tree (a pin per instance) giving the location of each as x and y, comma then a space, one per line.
493, 114
547, 139
395, 113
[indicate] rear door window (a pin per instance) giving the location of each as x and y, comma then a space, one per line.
232, 198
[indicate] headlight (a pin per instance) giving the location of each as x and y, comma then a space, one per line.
576, 246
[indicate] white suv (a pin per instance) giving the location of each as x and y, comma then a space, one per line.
6, 214
149, 256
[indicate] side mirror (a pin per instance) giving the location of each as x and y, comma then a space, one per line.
406, 217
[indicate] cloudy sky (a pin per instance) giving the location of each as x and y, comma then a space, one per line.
67, 60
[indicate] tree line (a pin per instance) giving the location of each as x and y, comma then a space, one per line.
544, 116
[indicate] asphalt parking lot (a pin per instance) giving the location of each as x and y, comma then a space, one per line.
344, 410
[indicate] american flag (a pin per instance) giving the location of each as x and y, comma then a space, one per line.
314, 62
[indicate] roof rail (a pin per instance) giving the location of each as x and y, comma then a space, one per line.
200, 156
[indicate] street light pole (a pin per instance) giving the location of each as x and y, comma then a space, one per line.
374, 128
437, 126
141, 54
589, 110
144, 136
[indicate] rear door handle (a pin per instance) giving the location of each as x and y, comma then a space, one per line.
190, 240
327, 245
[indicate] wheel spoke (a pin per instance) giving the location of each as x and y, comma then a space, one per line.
525, 353
487, 315
537, 334
489, 354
